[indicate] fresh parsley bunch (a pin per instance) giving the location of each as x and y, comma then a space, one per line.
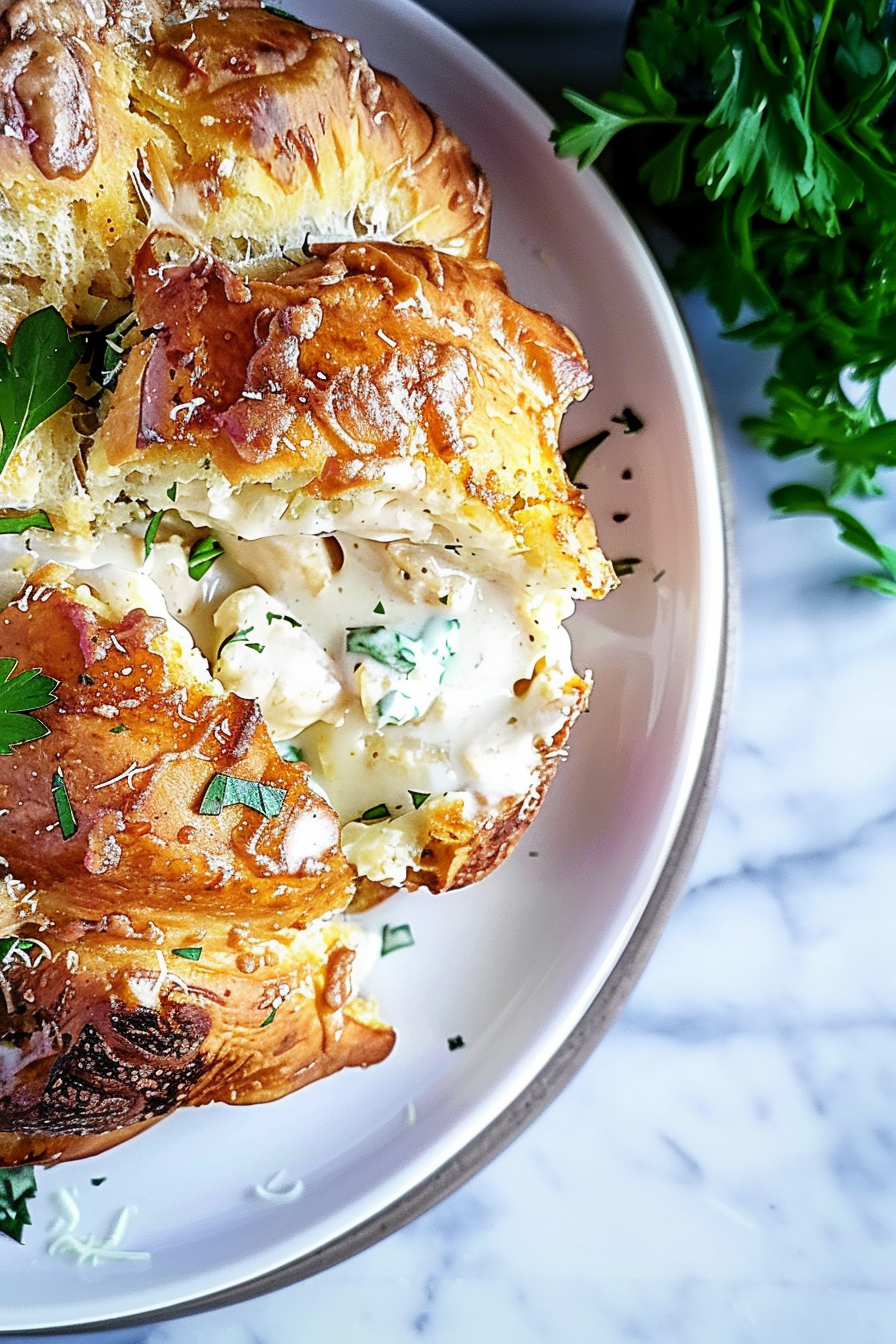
767, 134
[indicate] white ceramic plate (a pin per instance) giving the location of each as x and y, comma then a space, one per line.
513, 964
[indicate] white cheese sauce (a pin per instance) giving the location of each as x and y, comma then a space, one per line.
479, 665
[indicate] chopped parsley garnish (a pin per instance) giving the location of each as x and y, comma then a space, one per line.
282, 616
376, 813
421, 663
188, 953
108, 360
631, 422
389, 647
98, 1180
241, 637
379, 609
34, 372
21, 522
269, 1019
626, 565
395, 937
20, 695
230, 790
68, 822
279, 13
290, 753
171, 492
18, 949
456, 1042
119, 728
575, 458
17, 1186
203, 554
418, 799
150, 534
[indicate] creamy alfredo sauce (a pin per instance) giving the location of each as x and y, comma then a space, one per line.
399, 672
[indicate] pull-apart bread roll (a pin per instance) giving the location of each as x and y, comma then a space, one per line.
250, 132
155, 934
400, 404
281, 609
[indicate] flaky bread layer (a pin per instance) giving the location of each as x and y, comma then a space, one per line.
382, 380
247, 131
108, 1033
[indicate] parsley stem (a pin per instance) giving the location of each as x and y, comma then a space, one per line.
816, 53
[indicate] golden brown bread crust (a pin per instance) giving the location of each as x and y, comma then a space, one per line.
245, 129
370, 355
97, 1062
113, 1029
463, 850
141, 839
269, 115
17, 1150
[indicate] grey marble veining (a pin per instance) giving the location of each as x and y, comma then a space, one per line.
723, 1170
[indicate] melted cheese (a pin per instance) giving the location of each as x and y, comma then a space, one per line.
485, 682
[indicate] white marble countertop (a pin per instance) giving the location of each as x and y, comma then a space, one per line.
723, 1170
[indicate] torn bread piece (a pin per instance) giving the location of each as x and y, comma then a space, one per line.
165, 874
358, 449
249, 132
387, 391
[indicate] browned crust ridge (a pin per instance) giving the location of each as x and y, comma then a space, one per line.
114, 1029
461, 850
372, 354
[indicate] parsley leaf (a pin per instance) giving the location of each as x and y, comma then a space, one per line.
68, 822
229, 790
151, 532
626, 565
395, 937
21, 522
575, 458
764, 134
34, 372
188, 953
108, 350
289, 753
280, 14
19, 695
808, 499
378, 812
631, 422
17, 1186
19, 949
240, 637
389, 647
203, 554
